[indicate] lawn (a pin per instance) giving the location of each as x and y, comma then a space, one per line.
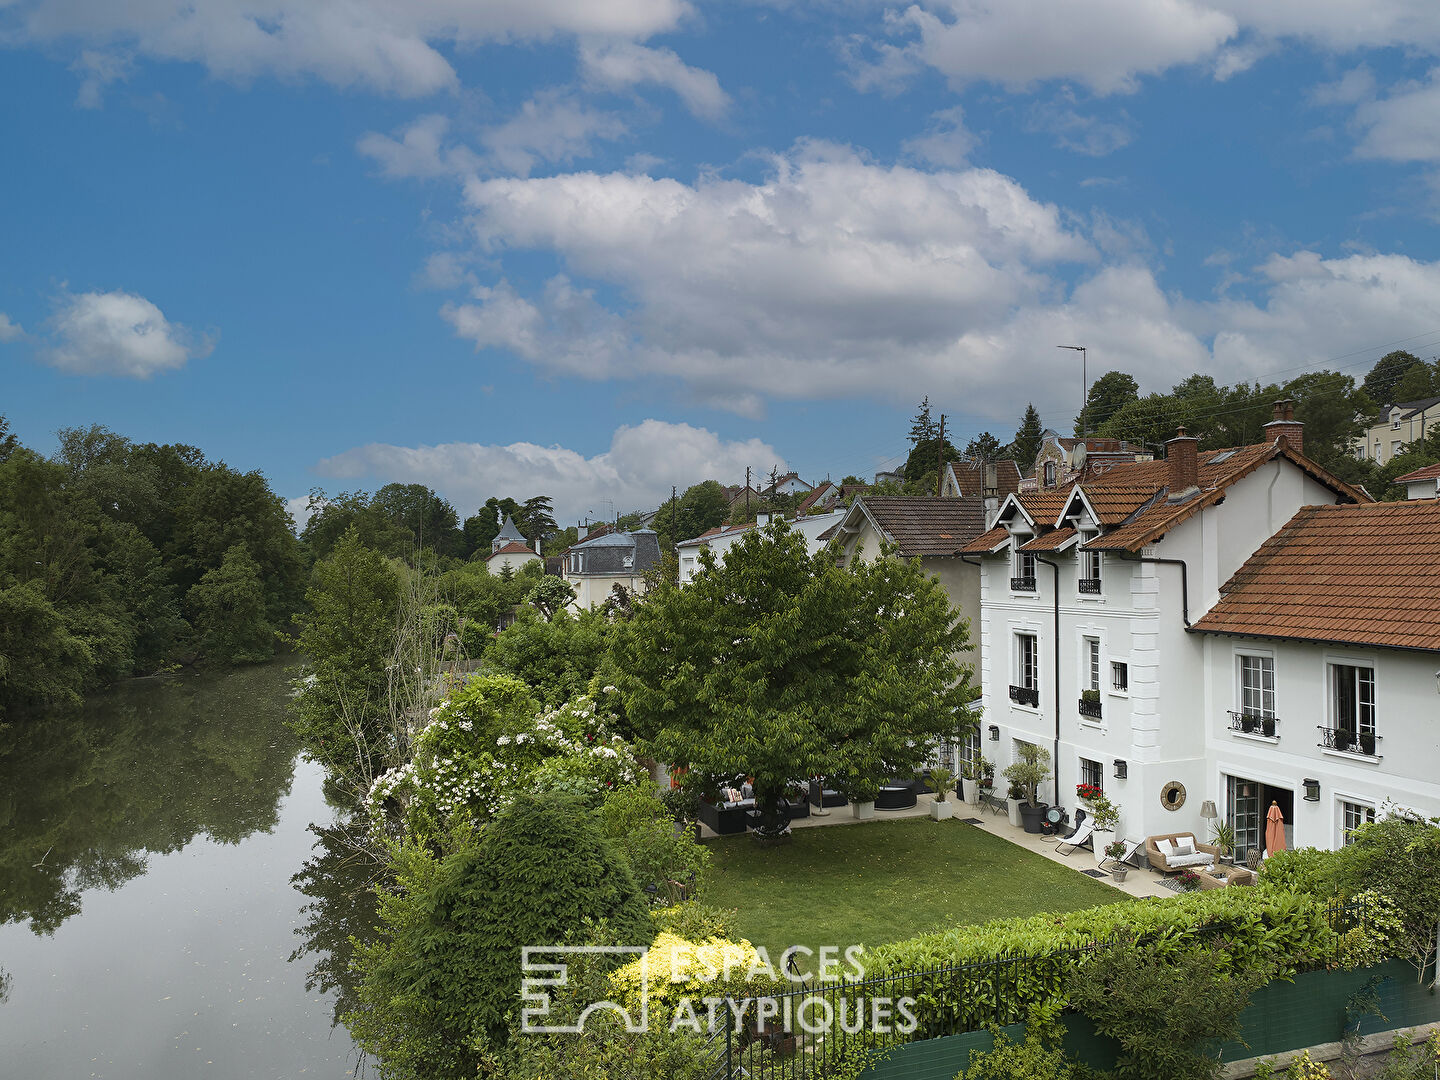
886, 880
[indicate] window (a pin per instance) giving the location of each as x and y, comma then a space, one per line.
1352, 816
1395, 425
1049, 474
1090, 572
1377, 449
1395, 448
1023, 567
1027, 661
1119, 675
1092, 663
970, 748
1092, 773
1353, 698
1257, 686
1360, 452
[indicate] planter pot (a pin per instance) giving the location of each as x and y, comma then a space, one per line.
863, 811
1099, 839
1367, 745
1032, 816
971, 791
1013, 806
1119, 874
940, 811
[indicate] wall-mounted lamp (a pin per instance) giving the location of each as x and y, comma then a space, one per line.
994, 732
1121, 769
1312, 790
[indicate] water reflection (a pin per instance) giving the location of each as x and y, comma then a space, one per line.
86, 796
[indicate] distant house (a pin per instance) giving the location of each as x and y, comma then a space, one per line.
1422, 483
979, 480
789, 484
1062, 460
595, 566
1396, 426
814, 527
509, 549
890, 476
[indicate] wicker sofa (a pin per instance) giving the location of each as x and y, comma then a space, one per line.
1205, 854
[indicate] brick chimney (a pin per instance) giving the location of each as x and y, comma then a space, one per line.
1181, 453
1286, 427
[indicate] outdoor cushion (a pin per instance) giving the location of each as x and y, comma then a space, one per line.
1166, 848
1184, 847
1200, 858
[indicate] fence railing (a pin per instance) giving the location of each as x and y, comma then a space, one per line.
1025, 695
1348, 740
1254, 724
808, 1033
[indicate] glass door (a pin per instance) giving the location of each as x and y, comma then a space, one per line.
1243, 798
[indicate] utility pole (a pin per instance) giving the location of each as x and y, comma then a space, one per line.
672, 517
747, 492
940, 471
1084, 386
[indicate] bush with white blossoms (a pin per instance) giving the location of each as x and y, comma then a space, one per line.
490, 741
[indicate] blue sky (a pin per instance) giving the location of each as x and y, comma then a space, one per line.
593, 249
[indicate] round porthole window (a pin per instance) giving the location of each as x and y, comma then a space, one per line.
1172, 795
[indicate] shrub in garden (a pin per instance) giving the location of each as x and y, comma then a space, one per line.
442, 984
1162, 1008
677, 968
666, 862
1038, 1057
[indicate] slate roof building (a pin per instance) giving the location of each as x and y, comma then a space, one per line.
718, 540
509, 549
1088, 595
595, 566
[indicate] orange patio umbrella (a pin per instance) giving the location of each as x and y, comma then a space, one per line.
1274, 830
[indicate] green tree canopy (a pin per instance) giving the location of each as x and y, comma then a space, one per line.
1380, 383
922, 427
1025, 447
779, 666
985, 447
922, 467
1422, 381
227, 608
1107, 396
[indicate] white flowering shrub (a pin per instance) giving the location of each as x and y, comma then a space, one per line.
487, 743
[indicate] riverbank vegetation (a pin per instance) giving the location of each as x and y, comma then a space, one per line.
120, 558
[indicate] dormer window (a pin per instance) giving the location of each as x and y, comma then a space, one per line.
628, 561
1022, 572
1049, 474
1090, 572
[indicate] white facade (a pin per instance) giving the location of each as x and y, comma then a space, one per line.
513, 559
809, 527
1163, 691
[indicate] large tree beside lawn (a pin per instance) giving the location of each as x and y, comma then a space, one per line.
778, 665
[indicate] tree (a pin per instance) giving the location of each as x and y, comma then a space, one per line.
550, 595
555, 659
1107, 395
1422, 381
922, 467
348, 637
775, 665
984, 447
922, 427
1400, 857
442, 985
484, 525
1025, 447
428, 520
536, 519
227, 608
1380, 383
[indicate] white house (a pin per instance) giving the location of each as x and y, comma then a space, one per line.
719, 539
789, 484
1321, 687
509, 549
1422, 483
1395, 427
593, 568
1088, 594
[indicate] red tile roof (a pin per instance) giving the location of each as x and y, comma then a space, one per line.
987, 542
1429, 472
1365, 574
926, 525
970, 477
1053, 540
511, 548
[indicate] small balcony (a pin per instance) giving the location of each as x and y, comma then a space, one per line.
1025, 695
1022, 584
1267, 727
1349, 741
1090, 707
1090, 586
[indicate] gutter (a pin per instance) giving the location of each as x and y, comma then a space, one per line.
1055, 758
1184, 580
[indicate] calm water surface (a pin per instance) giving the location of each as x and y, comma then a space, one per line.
165, 908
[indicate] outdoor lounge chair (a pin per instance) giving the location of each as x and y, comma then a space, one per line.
1081, 837
1167, 863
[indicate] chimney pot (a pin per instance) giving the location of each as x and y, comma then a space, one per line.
1286, 427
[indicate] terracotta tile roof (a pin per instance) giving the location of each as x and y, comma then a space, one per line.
1053, 540
511, 548
1365, 574
1045, 506
710, 534
987, 542
970, 477
926, 525
815, 496
1429, 472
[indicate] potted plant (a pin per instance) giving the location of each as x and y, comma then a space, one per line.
1248, 722
862, 800
1029, 772
1267, 727
1115, 851
1367, 744
942, 780
1014, 797
975, 770
1106, 816
1344, 738
1189, 880
1222, 835
1091, 696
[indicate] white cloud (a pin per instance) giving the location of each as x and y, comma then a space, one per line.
636, 471
98, 69
1074, 130
1355, 86
1402, 125
419, 151
299, 511
946, 141
9, 329
118, 333
619, 65
387, 46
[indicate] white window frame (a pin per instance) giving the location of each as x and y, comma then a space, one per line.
1051, 473
1091, 565
1362, 725
1090, 673
1350, 814
1263, 662
1088, 768
1021, 636
1017, 565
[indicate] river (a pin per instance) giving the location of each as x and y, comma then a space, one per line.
165, 909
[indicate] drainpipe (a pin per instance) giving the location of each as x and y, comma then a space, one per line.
1055, 756
1184, 580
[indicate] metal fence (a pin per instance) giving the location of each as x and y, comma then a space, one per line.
808, 1033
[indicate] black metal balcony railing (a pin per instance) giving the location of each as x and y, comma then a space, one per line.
1255, 724
1025, 695
1348, 740
1089, 708
1090, 586
1022, 584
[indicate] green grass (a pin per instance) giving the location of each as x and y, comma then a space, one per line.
884, 881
